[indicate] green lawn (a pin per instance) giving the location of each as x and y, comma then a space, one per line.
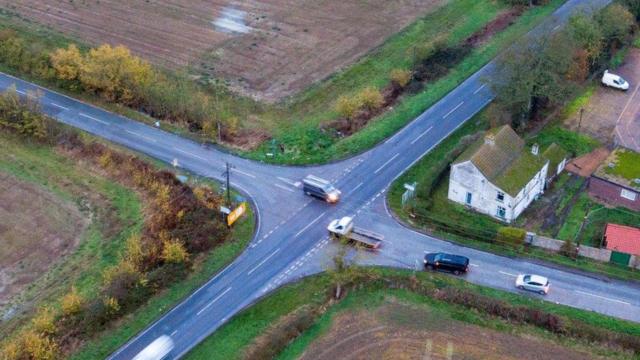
595, 217
230, 341
115, 216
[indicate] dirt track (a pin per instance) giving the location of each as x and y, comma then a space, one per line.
269, 49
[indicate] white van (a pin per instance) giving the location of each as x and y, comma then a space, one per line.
614, 81
159, 349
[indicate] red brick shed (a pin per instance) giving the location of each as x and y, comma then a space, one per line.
624, 239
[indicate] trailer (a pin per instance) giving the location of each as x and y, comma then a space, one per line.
344, 228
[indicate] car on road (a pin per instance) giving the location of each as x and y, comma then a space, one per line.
537, 283
456, 264
159, 349
320, 188
614, 81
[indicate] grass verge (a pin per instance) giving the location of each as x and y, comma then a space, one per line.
230, 341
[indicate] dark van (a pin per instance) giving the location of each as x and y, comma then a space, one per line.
456, 264
320, 188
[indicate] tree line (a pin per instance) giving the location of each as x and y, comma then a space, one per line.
542, 72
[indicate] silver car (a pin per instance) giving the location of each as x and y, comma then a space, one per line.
537, 283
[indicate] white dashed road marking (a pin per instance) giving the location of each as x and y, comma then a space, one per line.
602, 297
93, 118
59, 106
421, 135
140, 135
386, 163
308, 225
213, 301
508, 274
263, 261
478, 89
244, 173
283, 187
452, 110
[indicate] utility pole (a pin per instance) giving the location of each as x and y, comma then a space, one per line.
227, 173
580, 121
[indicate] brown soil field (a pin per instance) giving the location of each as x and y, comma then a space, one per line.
36, 228
265, 49
402, 331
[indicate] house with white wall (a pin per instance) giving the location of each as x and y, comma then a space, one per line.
498, 175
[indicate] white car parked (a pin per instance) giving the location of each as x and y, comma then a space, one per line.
614, 81
537, 283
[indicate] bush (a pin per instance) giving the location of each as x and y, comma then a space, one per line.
370, 99
71, 303
44, 321
569, 249
400, 77
174, 252
511, 236
347, 106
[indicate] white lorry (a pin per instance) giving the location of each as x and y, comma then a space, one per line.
159, 349
344, 227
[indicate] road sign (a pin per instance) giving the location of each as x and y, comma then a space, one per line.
409, 193
236, 213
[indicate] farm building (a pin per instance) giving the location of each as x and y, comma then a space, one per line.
500, 177
617, 180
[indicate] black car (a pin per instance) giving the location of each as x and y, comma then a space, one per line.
456, 264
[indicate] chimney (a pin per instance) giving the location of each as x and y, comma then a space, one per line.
535, 149
490, 139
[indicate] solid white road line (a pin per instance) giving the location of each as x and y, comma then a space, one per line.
140, 135
243, 173
602, 297
59, 106
478, 89
311, 223
452, 110
508, 274
283, 187
386, 163
93, 118
421, 135
213, 301
263, 261
190, 154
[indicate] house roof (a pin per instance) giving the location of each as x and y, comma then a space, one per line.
501, 157
621, 167
622, 238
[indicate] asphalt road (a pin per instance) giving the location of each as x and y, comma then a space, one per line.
291, 235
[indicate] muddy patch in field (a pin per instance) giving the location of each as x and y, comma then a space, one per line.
397, 330
36, 229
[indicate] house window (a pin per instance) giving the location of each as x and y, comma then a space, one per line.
502, 212
500, 196
468, 198
629, 195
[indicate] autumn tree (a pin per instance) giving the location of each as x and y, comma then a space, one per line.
44, 321
68, 63
115, 74
587, 35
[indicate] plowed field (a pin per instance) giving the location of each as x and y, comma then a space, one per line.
267, 49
